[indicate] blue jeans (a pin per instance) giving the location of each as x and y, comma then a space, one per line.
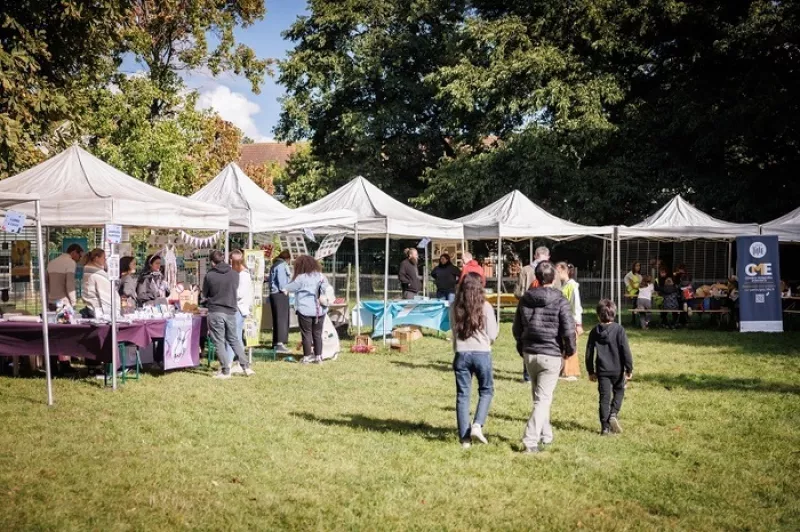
447, 296
240, 328
465, 365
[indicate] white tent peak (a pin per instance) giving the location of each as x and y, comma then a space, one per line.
77, 190
516, 216
379, 214
680, 220
787, 227
234, 190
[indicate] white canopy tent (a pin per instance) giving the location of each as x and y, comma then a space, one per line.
18, 202
679, 220
516, 217
787, 227
79, 190
380, 215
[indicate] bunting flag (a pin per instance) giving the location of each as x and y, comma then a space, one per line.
200, 242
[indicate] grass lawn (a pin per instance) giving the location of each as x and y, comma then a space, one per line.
711, 442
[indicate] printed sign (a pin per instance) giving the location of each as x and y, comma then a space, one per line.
758, 272
14, 222
255, 262
329, 246
113, 234
181, 343
113, 267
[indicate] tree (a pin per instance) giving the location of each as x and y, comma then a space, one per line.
178, 154
46, 56
306, 178
171, 36
265, 174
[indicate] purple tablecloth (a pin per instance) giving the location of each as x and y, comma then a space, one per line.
80, 341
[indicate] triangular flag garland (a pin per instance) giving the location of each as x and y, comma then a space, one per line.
200, 242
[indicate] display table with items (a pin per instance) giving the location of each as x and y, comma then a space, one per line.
428, 313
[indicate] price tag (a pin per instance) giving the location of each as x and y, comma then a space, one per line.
14, 222
113, 267
113, 234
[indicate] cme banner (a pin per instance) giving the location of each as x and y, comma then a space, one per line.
758, 270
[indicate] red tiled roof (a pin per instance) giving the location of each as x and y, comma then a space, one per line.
262, 152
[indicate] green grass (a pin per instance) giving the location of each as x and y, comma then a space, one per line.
711, 442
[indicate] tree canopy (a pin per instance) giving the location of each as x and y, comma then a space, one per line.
597, 109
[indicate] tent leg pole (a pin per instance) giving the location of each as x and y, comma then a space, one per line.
425, 274
730, 259
499, 274
386, 289
603, 272
333, 273
358, 283
227, 244
613, 258
114, 349
530, 252
250, 240
43, 299
619, 284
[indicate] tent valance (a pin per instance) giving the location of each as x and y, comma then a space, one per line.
514, 216
78, 190
380, 215
679, 220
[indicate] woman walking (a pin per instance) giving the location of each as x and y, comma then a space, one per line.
308, 283
474, 331
279, 301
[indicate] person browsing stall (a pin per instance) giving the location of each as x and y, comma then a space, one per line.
96, 291
472, 266
279, 278
446, 276
220, 289
408, 275
308, 283
61, 277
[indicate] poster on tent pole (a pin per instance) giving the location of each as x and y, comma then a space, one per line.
255, 262
758, 271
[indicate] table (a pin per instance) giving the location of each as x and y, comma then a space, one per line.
506, 300
428, 313
84, 340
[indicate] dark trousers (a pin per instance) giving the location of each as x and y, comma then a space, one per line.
612, 391
408, 294
311, 334
279, 302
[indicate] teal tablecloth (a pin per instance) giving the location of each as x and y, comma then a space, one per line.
428, 313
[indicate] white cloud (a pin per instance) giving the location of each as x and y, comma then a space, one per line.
235, 108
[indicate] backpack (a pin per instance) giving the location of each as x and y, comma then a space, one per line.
326, 297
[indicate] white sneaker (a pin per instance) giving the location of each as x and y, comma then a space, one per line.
220, 375
477, 433
236, 369
317, 360
616, 428
249, 372
465, 445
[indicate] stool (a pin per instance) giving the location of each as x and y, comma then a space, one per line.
122, 357
267, 352
211, 351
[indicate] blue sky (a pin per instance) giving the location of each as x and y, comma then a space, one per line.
230, 95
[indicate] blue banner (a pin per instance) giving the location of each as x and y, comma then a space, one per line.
758, 271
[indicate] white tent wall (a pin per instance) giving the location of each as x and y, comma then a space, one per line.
787, 227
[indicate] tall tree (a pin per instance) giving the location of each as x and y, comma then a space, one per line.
46, 55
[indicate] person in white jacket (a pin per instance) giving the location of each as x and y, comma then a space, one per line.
96, 291
244, 298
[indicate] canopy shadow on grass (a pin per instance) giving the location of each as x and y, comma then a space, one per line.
386, 426
725, 342
717, 383
447, 367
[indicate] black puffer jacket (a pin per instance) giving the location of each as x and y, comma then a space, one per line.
544, 324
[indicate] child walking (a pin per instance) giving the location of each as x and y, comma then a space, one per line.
609, 362
474, 331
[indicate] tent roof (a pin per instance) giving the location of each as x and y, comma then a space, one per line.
78, 189
8, 200
247, 202
679, 220
379, 214
787, 227
516, 216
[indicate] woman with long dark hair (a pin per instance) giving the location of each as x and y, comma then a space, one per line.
474, 330
307, 284
151, 286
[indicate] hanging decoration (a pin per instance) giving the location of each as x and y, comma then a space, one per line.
200, 242
329, 246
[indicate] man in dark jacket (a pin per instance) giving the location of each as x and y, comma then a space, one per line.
409, 275
545, 331
446, 276
219, 294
